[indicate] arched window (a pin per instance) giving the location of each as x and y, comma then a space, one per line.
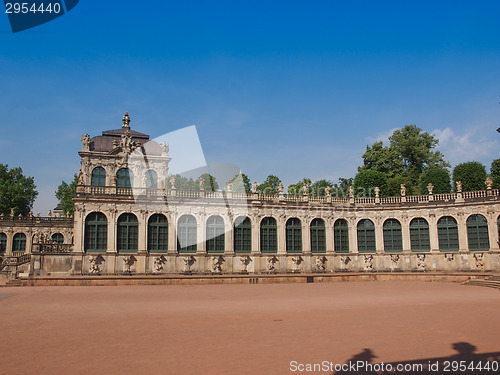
124, 178
3, 243
186, 234
448, 234
57, 238
215, 235
366, 236
98, 177
341, 236
242, 235
318, 236
419, 235
477, 233
127, 233
393, 239
151, 179
19, 243
96, 232
293, 236
268, 235
157, 234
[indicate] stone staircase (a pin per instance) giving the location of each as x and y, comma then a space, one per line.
489, 281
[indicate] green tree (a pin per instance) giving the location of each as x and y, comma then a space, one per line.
65, 193
366, 181
437, 176
409, 153
495, 173
472, 174
209, 182
182, 183
298, 188
319, 187
16, 191
241, 183
394, 185
383, 159
270, 185
342, 188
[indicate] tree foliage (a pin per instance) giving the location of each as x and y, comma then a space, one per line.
184, 183
16, 191
270, 185
394, 185
410, 152
65, 193
298, 188
437, 176
241, 183
472, 174
319, 187
495, 173
367, 180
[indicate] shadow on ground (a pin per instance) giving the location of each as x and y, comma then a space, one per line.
465, 362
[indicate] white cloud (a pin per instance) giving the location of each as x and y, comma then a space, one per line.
480, 143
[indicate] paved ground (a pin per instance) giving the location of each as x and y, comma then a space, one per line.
240, 329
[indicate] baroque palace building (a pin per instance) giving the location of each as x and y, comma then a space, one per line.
128, 220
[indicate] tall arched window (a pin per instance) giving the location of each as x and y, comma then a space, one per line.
19, 243
215, 234
293, 236
268, 235
393, 239
151, 179
477, 233
98, 177
127, 234
318, 236
187, 234
57, 238
96, 232
124, 178
157, 234
341, 236
448, 234
419, 235
366, 236
3, 243
242, 235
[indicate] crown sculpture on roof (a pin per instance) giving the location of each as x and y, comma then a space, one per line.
126, 121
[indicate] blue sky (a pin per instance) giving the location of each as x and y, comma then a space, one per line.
296, 89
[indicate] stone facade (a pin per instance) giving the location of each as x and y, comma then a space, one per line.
128, 220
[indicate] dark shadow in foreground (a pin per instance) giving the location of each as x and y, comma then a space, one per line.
465, 362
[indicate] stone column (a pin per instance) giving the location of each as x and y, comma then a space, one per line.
379, 235
462, 232
281, 222
29, 242
8, 246
405, 232
172, 236
306, 236
329, 236
143, 231
433, 233
493, 230
255, 220
79, 231
201, 235
353, 235
112, 218
229, 237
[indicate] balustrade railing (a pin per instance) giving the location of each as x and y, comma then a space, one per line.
151, 192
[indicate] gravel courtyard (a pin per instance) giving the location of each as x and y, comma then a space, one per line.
240, 329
